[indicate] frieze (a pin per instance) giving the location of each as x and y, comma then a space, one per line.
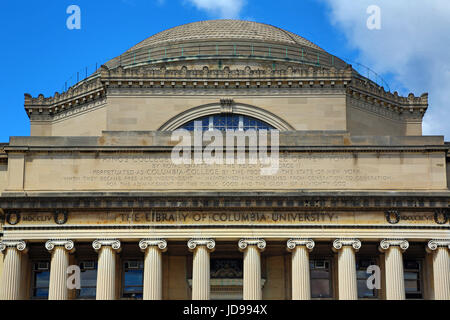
213, 217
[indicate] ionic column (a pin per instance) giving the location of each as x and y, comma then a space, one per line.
395, 282
201, 267
252, 267
60, 250
301, 286
106, 274
153, 267
12, 273
346, 248
441, 268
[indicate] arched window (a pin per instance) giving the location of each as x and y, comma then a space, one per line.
225, 122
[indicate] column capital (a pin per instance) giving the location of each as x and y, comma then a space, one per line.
67, 244
386, 243
244, 243
113, 243
160, 243
339, 243
438, 243
208, 243
16, 244
297, 242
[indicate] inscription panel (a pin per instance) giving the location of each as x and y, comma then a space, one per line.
153, 217
155, 171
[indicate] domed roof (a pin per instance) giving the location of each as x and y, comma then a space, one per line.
225, 30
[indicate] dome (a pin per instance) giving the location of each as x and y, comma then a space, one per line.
225, 39
233, 30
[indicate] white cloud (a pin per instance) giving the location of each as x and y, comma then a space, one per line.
227, 9
413, 45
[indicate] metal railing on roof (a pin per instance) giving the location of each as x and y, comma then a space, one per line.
227, 50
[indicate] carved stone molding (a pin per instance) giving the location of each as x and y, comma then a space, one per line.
160, 243
17, 244
441, 216
209, 243
12, 217
60, 216
99, 243
438, 243
386, 243
244, 243
308, 243
339, 243
392, 216
67, 244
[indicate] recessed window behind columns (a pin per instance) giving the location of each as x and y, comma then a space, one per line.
362, 276
225, 122
133, 279
88, 279
413, 278
40, 279
321, 281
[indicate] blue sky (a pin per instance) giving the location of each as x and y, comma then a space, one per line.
39, 53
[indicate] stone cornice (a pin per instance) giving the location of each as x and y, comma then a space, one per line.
326, 200
289, 76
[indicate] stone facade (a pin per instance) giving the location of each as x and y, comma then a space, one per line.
357, 186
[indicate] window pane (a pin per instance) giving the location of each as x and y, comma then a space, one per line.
41, 293
89, 278
42, 279
133, 278
411, 276
228, 122
320, 288
364, 291
87, 292
411, 286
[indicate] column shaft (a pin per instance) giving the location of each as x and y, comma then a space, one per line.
200, 274
106, 276
395, 283
348, 289
252, 274
12, 275
58, 274
153, 274
301, 287
441, 273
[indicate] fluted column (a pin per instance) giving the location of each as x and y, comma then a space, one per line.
441, 268
201, 267
60, 250
153, 267
395, 282
106, 274
12, 271
252, 267
301, 284
346, 248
